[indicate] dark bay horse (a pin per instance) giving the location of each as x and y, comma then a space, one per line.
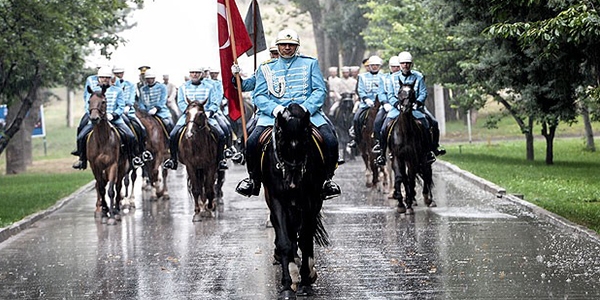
158, 145
342, 119
108, 160
408, 146
367, 141
198, 152
293, 174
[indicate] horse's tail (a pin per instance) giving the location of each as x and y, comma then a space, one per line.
321, 236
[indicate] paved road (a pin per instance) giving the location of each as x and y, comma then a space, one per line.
473, 246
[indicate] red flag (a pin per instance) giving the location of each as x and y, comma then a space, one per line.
242, 42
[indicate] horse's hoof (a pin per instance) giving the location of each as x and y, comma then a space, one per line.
369, 184
197, 218
206, 214
305, 291
126, 209
166, 196
432, 204
415, 203
118, 217
287, 295
410, 211
111, 221
401, 209
104, 220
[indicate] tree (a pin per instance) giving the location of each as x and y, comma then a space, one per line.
42, 42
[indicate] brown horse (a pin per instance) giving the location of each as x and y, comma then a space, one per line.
157, 144
198, 152
107, 160
409, 145
367, 141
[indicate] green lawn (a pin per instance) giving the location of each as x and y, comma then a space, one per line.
568, 188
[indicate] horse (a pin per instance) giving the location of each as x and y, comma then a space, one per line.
108, 161
367, 141
342, 119
293, 174
237, 129
408, 146
157, 143
198, 152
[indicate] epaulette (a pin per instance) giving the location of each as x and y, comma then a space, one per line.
306, 56
268, 61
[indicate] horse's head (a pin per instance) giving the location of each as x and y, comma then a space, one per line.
195, 116
97, 105
292, 136
406, 96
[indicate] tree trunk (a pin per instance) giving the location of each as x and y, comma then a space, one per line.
589, 132
529, 139
549, 131
19, 152
70, 99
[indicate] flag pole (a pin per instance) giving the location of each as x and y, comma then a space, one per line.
255, 34
237, 76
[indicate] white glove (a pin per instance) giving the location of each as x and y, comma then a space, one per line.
387, 107
109, 117
126, 109
235, 69
278, 109
369, 102
224, 102
153, 111
208, 113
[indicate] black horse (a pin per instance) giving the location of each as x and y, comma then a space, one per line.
342, 119
293, 177
408, 144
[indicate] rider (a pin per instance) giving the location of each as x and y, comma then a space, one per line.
131, 119
293, 78
408, 76
171, 97
153, 100
394, 65
197, 88
249, 83
368, 87
92, 82
114, 109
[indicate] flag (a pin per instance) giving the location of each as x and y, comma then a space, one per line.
242, 42
254, 21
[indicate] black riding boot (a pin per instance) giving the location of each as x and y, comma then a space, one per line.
81, 164
330, 188
435, 135
382, 142
171, 163
250, 186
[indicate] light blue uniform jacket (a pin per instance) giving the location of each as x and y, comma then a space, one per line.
128, 88
204, 91
155, 96
394, 88
114, 101
92, 82
368, 87
293, 80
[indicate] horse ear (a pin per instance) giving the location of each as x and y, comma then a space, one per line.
89, 89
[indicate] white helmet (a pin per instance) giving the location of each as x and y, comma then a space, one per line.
196, 69
404, 57
394, 61
287, 36
375, 60
105, 72
273, 48
118, 69
149, 74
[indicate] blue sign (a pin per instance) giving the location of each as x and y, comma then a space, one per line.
39, 129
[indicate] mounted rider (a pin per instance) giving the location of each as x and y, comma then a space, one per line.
197, 88
130, 118
292, 78
114, 109
368, 89
153, 100
384, 95
408, 76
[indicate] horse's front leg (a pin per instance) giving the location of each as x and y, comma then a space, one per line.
111, 208
308, 273
410, 190
284, 249
398, 181
101, 206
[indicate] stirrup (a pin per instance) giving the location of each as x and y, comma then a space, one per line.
147, 155
330, 190
380, 160
137, 162
223, 165
439, 151
352, 144
228, 153
430, 157
80, 165
237, 158
376, 149
247, 187
170, 164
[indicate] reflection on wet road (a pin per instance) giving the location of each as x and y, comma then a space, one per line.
472, 246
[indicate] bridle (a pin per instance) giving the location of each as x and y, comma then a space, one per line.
286, 167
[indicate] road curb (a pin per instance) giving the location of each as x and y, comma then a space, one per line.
500, 192
15, 228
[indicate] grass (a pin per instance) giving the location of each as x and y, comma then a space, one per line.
568, 188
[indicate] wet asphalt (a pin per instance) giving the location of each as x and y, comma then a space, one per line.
477, 244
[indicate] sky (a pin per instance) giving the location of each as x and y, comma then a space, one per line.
171, 36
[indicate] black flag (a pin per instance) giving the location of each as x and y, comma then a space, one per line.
254, 27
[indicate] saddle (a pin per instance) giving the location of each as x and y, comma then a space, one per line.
162, 125
113, 128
